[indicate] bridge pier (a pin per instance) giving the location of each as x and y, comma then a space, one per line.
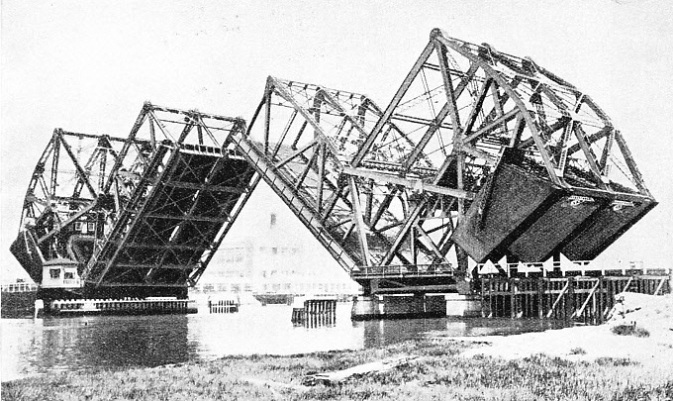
417, 305
463, 305
366, 307
406, 291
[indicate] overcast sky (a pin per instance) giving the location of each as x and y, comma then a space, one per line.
88, 66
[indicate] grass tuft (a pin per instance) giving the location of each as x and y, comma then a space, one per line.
434, 371
629, 330
642, 392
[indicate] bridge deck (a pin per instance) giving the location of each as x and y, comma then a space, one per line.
167, 238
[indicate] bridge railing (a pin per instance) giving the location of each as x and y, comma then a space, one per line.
419, 270
571, 268
19, 287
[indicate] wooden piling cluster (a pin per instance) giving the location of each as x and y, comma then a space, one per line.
121, 306
578, 298
315, 313
223, 306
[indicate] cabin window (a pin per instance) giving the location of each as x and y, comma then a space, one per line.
69, 275
78, 226
54, 273
90, 227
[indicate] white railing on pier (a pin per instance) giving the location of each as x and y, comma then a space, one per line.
565, 267
419, 270
19, 287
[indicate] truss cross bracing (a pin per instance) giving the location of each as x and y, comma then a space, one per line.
148, 210
480, 155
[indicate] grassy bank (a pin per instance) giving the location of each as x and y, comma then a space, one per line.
435, 370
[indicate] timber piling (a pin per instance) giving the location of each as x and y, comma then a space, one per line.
315, 313
583, 299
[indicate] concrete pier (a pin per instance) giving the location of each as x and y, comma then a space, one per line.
365, 307
398, 306
463, 305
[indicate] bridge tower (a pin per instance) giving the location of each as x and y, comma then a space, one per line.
129, 217
479, 156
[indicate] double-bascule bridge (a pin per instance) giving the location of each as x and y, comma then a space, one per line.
481, 157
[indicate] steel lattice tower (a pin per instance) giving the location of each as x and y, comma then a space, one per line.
480, 155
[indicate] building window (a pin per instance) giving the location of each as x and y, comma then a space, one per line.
273, 220
54, 273
69, 275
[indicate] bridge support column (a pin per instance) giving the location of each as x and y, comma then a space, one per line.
461, 305
366, 307
419, 305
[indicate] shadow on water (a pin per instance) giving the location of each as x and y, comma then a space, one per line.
96, 342
378, 333
127, 341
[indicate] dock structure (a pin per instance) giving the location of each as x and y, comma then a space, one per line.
314, 311
223, 306
480, 155
158, 305
583, 299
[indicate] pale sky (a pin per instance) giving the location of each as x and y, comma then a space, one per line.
88, 67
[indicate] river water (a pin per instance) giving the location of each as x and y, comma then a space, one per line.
43, 346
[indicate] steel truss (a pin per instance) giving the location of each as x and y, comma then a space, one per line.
148, 210
479, 153
388, 187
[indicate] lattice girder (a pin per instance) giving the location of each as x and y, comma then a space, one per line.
308, 136
479, 153
468, 109
392, 186
159, 201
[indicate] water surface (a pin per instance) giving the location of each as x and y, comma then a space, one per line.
43, 346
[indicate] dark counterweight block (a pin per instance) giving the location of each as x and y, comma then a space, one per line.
526, 216
605, 227
25, 250
513, 201
553, 226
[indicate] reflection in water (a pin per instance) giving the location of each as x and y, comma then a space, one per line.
378, 333
135, 342
60, 344
269, 330
32, 347
315, 321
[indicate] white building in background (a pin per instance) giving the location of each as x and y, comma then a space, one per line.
268, 250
